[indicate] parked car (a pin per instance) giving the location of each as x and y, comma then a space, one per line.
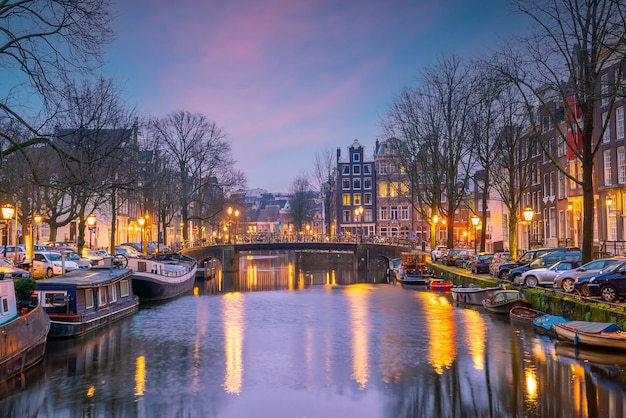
544, 276
50, 263
481, 263
10, 271
566, 280
609, 286
499, 258
544, 261
128, 251
505, 268
449, 258
10, 252
463, 258
581, 285
92, 256
81, 262
438, 252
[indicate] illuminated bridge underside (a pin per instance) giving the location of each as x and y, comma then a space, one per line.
365, 255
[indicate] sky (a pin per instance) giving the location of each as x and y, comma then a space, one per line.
289, 79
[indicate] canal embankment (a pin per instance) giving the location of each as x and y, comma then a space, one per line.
568, 305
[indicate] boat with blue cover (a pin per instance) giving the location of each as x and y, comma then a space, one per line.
597, 334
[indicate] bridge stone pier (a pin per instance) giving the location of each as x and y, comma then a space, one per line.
365, 255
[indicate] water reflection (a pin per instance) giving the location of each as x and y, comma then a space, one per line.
280, 340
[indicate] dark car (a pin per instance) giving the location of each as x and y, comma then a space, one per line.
449, 259
527, 258
609, 286
481, 263
581, 285
463, 258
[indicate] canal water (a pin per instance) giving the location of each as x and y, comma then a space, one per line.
281, 341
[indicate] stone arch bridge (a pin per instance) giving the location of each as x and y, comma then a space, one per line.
365, 255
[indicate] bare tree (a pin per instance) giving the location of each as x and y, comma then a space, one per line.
573, 43
301, 202
324, 175
433, 120
41, 42
196, 149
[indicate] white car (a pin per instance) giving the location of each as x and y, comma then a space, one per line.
438, 252
544, 276
50, 263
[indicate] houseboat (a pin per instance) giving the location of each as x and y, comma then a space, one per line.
23, 333
163, 276
85, 300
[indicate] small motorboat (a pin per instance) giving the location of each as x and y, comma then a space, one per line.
413, 270
597, 334
501, 301
472, 295
524, 314
441, 285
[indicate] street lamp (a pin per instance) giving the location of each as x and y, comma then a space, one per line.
308, 229
91, 223
142, 222
475, 221
38, 220
528, 216
7, 215
358, 214
230, 212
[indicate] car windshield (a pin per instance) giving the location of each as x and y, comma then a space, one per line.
6, 263
614, 267
54, 256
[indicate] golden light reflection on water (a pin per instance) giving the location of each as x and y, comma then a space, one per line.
441, 329
140, 375
331, 278
578, 389
91, 391
531, 385
233, 323
476, 338
358, 301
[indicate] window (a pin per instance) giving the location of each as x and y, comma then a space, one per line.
562, 185
345, 184
367, 215
112, 293
383, 189
394, 213
621, 165
367, 198
345, 169
395, 189
124, 288
356, 157
604, 89
357, 199
619, 123
5, 306
404, 213
384, 213
88, 298
356, 169
346, 199
367, 169
382, 168
367, 183
346, 216
356, 184
607, 167
102, 296
606, 137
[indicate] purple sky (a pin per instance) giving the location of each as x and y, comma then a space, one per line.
287, 79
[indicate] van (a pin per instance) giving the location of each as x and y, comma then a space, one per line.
545, 261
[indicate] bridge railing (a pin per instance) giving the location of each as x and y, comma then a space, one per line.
267, 238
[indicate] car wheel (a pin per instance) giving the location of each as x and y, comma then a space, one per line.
504, 275
531, 281
568, 285
584, 290
513, 278
608, 293
49, 273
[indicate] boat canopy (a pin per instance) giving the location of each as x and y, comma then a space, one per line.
593, 327
548, 321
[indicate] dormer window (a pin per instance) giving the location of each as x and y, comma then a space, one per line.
356, 157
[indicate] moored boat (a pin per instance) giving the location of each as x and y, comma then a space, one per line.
501, 301
161, 277
412, 270
82, 301
472, 295
524, 314
440, 284
597, 334
24, 333
545, 324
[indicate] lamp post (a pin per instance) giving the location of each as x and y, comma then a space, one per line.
308, 229
91, 223
358, 214
7, 215
38, 219
142, 222
475, 221
528, 217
